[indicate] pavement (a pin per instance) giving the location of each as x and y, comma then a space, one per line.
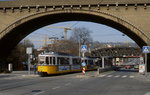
145, 77
18, 74
123, 82
25, 74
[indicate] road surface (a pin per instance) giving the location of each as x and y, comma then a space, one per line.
109, 83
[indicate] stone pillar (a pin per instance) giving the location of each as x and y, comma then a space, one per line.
148, 62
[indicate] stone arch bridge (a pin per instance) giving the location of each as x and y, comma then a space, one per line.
18, 18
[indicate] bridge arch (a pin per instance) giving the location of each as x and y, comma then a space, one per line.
14, 33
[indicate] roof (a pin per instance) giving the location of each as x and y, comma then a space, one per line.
57, 54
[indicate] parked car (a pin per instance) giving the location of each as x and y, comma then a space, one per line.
128, 67
116, 68
136, 67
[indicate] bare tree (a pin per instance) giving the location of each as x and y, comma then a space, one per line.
65, 46
81, 35
71, 46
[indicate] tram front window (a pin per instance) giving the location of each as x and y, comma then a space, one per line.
41, 60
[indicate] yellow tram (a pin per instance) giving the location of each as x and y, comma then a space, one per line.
59, 63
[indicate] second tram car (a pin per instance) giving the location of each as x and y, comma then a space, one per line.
56, 63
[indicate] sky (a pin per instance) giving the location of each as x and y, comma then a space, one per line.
101, 33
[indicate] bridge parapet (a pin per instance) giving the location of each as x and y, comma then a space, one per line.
18, 3
116, 52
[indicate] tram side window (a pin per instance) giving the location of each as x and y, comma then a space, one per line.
58, 60
66, 61
76, 61
63, 61
50, 58
90, 62
47, 61
86, 61
54, 60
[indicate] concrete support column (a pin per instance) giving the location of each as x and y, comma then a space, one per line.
10, 67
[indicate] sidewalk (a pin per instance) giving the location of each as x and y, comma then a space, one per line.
145, 77
22, 72
18, 74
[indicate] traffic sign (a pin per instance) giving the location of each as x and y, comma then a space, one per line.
83, 48
29, 50
141, 68
83, 64
146, 49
